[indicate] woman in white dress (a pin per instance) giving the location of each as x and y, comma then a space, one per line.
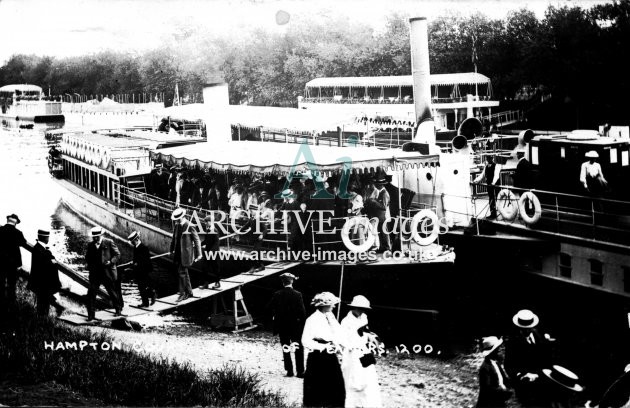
323, 338
358, 365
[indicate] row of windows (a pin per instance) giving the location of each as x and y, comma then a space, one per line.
597, 271
88, 179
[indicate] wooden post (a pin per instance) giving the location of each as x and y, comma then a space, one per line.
343, 263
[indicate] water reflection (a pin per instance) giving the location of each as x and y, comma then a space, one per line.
30, 191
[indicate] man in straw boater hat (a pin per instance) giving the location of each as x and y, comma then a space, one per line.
11, 239
591, 175
527, 353
323, 337
101, 258
186, 250
494, 382
142, 268
287, 309
358, 362
44, 277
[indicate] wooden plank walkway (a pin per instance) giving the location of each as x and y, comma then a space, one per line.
168, 304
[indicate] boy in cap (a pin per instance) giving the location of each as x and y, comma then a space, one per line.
44, 277
101, 258
287, 307
142, 267
11, 239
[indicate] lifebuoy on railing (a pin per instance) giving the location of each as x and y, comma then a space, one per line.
419, 218
355, 223
507, 204
522, 202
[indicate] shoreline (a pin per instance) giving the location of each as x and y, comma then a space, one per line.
406, 380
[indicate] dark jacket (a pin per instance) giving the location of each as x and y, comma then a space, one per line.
11, 239
44, 277
96, 258
522, 357
287, 308
142, 261
491, 394
189, 244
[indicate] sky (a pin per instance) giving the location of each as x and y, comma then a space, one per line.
63, 28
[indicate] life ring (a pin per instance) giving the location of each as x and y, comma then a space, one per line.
507, 204
529, 196
417, 219
351, 224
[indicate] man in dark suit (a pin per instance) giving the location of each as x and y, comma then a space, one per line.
101, 258
211, 266
527, 353
186, 250
44, 277
11, 239
493, 380
288, 312
381, 206
142, 268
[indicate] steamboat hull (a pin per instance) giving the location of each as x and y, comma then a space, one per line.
400, 292
34, 118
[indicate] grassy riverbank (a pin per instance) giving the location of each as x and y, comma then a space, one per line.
118, 377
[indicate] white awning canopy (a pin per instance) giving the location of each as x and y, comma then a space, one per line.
463, 78
267, 118
280, 158
21, 88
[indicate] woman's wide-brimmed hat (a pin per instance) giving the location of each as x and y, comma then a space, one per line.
563, 377
489, 344
178, 214
591, 155
360, 302
525, 319
325, 299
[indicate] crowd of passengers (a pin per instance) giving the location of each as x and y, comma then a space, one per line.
266, 197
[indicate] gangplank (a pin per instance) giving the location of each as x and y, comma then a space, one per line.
168, 304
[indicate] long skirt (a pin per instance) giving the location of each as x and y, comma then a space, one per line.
323, 381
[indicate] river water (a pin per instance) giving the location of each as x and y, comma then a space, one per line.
29, 191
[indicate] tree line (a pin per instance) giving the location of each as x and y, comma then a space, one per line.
576, 53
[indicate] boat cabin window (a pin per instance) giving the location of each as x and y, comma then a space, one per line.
565, 265
597, 274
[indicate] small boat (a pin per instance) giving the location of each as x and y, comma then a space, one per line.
28, 102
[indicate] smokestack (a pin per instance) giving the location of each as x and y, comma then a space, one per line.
420, 70
216, 102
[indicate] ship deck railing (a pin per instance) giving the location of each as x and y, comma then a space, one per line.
157, 212
568, 215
